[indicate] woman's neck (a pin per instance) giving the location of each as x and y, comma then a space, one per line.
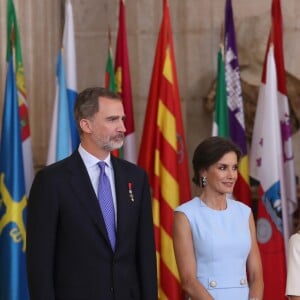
214, 201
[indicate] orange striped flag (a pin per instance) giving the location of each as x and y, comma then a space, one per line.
163, 155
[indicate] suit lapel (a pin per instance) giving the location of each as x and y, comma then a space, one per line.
122, 179
83, 189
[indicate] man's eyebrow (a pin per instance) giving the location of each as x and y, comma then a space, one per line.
114, 117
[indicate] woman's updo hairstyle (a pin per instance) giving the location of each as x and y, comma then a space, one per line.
210, 151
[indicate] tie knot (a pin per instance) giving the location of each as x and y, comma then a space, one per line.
101, 165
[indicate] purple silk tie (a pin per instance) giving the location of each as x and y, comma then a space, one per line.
106, 204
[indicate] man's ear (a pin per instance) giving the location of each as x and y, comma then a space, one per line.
86, 125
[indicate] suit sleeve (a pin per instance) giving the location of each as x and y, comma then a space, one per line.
41, 232
146, 246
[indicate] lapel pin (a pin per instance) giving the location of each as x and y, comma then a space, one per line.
130, 192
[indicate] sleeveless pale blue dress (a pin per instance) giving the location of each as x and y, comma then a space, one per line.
221, 243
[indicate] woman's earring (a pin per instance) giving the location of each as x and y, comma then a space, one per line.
203, 181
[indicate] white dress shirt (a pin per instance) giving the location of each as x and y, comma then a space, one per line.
91, 164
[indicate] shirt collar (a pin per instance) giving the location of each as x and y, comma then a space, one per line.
91, 160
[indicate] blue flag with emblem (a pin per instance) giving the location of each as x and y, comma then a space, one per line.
14, 145
13, 281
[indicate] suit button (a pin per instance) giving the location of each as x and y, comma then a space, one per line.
213, 284
112, 289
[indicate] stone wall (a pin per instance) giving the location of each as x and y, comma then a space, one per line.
196, 31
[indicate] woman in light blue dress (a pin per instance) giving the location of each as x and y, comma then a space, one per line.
214, 235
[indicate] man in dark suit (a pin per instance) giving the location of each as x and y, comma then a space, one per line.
70, 255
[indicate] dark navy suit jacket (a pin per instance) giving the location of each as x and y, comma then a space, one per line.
69, 256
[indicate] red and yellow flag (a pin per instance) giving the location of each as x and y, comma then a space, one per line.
163, 155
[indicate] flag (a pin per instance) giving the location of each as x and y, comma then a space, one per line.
237, 130
16, 170
122, 73
111, 84
14, 42
271, 158
60, 138
70, 66
221, 122
64, 137
163, 155
110, 79
285, 122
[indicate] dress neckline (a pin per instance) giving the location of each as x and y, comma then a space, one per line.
213, 209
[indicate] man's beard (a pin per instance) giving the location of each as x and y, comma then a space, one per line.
111, 143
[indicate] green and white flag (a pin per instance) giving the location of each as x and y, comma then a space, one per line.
220, 122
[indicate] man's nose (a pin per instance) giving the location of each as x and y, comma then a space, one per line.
121, 126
